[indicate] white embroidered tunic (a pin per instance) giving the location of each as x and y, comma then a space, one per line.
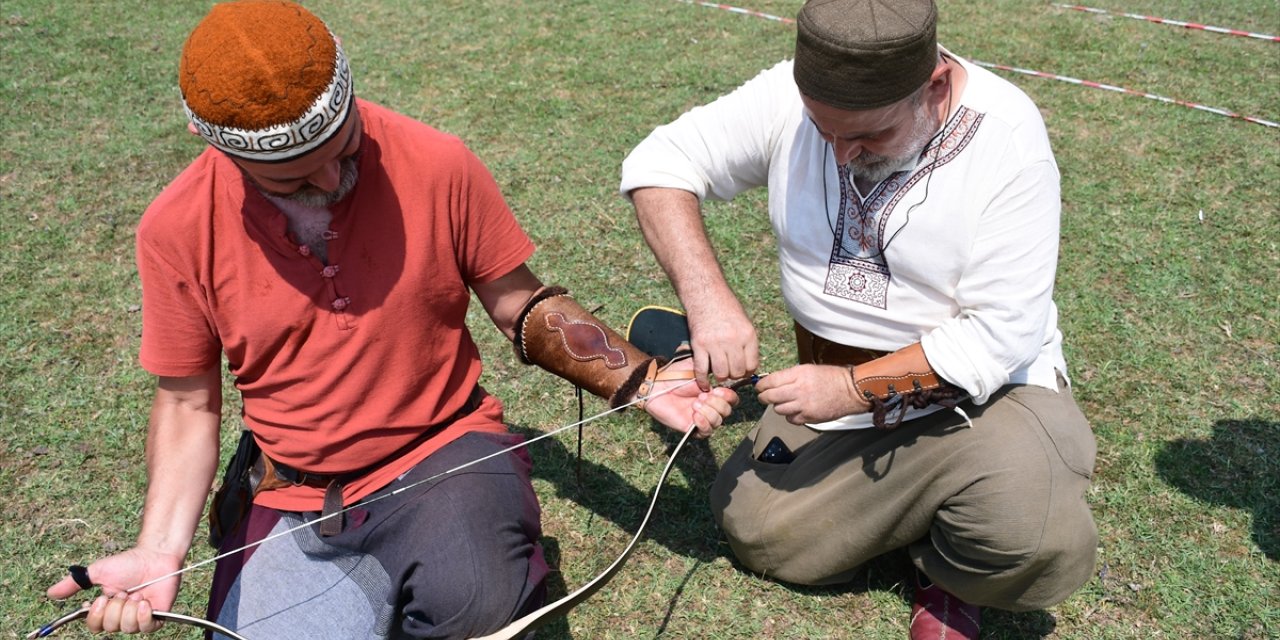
958, 253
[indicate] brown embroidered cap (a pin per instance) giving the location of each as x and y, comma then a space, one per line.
864, 54
264, 80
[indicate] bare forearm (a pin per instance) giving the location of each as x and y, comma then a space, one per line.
182, 459
722, 336
671, 221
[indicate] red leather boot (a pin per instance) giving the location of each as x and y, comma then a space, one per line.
938, 615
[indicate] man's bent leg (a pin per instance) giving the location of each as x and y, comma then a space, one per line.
479, 565
296, 585
847, 497
1022, 536
450, 559
987, 511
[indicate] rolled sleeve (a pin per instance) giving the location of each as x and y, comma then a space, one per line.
1006, 296
716, 150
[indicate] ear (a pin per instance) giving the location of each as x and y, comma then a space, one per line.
941, 73
940, 81
192, 128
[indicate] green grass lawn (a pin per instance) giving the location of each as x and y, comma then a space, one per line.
1169, 285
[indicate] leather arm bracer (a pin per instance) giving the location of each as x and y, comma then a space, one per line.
882, 385
556, 333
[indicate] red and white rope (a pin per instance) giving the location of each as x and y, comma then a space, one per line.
1176, 23
745, 12
1132, 92
1040, 74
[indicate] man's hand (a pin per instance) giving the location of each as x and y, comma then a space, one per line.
117, 611
811, 393
688, 407
724, 343
723, 339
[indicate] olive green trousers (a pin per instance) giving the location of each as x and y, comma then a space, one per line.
994, 513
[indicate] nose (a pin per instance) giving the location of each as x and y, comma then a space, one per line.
328, 177
846, 150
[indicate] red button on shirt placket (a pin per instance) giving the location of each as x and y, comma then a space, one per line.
339, 303
329, 273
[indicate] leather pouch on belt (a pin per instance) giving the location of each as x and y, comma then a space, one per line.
234, 496
557, 334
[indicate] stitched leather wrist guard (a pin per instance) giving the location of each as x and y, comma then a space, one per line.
879, 385
556, 333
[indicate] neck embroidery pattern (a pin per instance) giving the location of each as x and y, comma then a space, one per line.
857, 269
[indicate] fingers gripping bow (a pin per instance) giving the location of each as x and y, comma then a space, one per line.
168, 616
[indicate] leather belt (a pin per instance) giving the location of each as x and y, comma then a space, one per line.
269, 474
813, 349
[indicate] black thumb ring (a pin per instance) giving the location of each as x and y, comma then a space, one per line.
81, 575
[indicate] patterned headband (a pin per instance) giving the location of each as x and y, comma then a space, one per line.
290, 140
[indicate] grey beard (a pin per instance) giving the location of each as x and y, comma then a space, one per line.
312, 197
877, 169
874, 169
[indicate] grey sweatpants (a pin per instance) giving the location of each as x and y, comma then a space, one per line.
995, 514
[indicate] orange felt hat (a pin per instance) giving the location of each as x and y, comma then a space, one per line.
264, 80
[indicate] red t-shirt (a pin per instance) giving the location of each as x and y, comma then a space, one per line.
338, 367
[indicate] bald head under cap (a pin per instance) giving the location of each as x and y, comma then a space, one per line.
865, 54
264, 80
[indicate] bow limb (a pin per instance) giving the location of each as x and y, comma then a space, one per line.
80, 614
563, 605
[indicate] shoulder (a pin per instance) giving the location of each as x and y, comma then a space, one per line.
1010, 119
190, 197
396, 130
775, 85
782, 73
999, 98
407, 148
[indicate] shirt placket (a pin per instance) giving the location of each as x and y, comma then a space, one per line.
339, 302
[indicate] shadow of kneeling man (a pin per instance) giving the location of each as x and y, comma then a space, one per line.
1238, 467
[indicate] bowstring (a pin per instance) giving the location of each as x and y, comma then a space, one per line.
408, 487
51, 627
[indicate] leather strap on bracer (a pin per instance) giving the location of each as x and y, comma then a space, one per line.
879, 384
556, 333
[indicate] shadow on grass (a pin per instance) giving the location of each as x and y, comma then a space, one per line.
1238, 467
557, 627
893, 573
682, 521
